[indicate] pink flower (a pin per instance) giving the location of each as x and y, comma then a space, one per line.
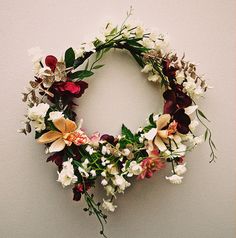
150, 165
95, 138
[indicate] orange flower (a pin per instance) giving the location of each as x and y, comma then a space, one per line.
66, 135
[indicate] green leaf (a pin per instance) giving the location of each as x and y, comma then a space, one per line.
151, 121
69, 57
127, 133
98, 66
202, 115
81, 74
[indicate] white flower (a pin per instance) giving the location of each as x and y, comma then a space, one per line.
154, 78
126, 33
198, 140
194, 123
198, 92
151, 134
147, 68
112, 169
110, 190
89, 149
190, 85
107, 205
180, 77
105, 150
120, 182
162, 46
85, 163
104, 182
126, 152
147, 43
103, 173
134, 169
37, 114
180, 150
180, 169
79, 52
36, 54
93, 172
139, 32
175, 179
88, 47
55, 115
189, 110
66, 176
83, 172
68, 165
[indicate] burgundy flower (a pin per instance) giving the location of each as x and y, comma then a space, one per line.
175, 99
110, 139
183, 121
168, 70
57, 158
51, 62
79, 189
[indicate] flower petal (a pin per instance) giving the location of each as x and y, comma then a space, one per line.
57, 145
163, 134
70, 126
189, 110
49, 137
60, 124
162, 121
151, 134
160, 144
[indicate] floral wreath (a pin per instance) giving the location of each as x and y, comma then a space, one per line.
82, 159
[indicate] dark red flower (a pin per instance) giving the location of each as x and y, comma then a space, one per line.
70, 87
51, 62
168, 70
110, 139
57, 158
175, 99
183, 121
79, 189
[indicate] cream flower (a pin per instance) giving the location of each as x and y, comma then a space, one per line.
147, 68
108, 205
154, 78
110, 190
36, 53
175, 179
157, 134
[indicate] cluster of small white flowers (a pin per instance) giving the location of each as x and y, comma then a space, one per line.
67, 177
36, 114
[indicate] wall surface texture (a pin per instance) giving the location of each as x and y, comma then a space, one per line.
33, 204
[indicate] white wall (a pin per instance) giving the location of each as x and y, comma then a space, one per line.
33, 204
